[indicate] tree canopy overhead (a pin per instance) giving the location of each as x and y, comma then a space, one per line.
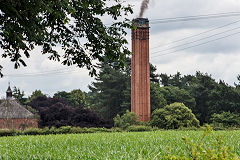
75, 26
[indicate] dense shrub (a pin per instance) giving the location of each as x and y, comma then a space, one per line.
65, 129
225, 119
97, 130
56, 112
43, 101
60, 130
128, 119
174, 116
31, 131
11, 132
140, 128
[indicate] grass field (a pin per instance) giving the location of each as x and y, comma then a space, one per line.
132, 145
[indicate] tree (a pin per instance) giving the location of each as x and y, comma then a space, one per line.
153, 76
110, 93
210, 96
35, 94
161, 96
75, 26
199, 86
61, 94
77, 98
224, 98
226, 119
156, 97
19, 95
43, 101
174, 94
172, 80
55, 112
126, 120
164, 79
237, 84
74, 98
174, 116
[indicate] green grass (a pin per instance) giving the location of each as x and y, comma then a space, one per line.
134, 145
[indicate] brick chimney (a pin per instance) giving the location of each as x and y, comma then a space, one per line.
140, 76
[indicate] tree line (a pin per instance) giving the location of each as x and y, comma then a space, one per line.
209, 100
110, 94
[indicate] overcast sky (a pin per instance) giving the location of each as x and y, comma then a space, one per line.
220, 58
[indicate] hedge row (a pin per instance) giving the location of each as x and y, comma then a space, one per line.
78, 130
70, 130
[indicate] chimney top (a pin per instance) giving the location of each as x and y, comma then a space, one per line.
141, 22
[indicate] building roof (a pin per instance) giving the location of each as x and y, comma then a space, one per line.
11, 109
9, 90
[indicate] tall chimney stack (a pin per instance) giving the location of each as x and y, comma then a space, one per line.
140, 76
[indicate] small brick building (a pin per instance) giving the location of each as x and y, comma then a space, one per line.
15, 116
